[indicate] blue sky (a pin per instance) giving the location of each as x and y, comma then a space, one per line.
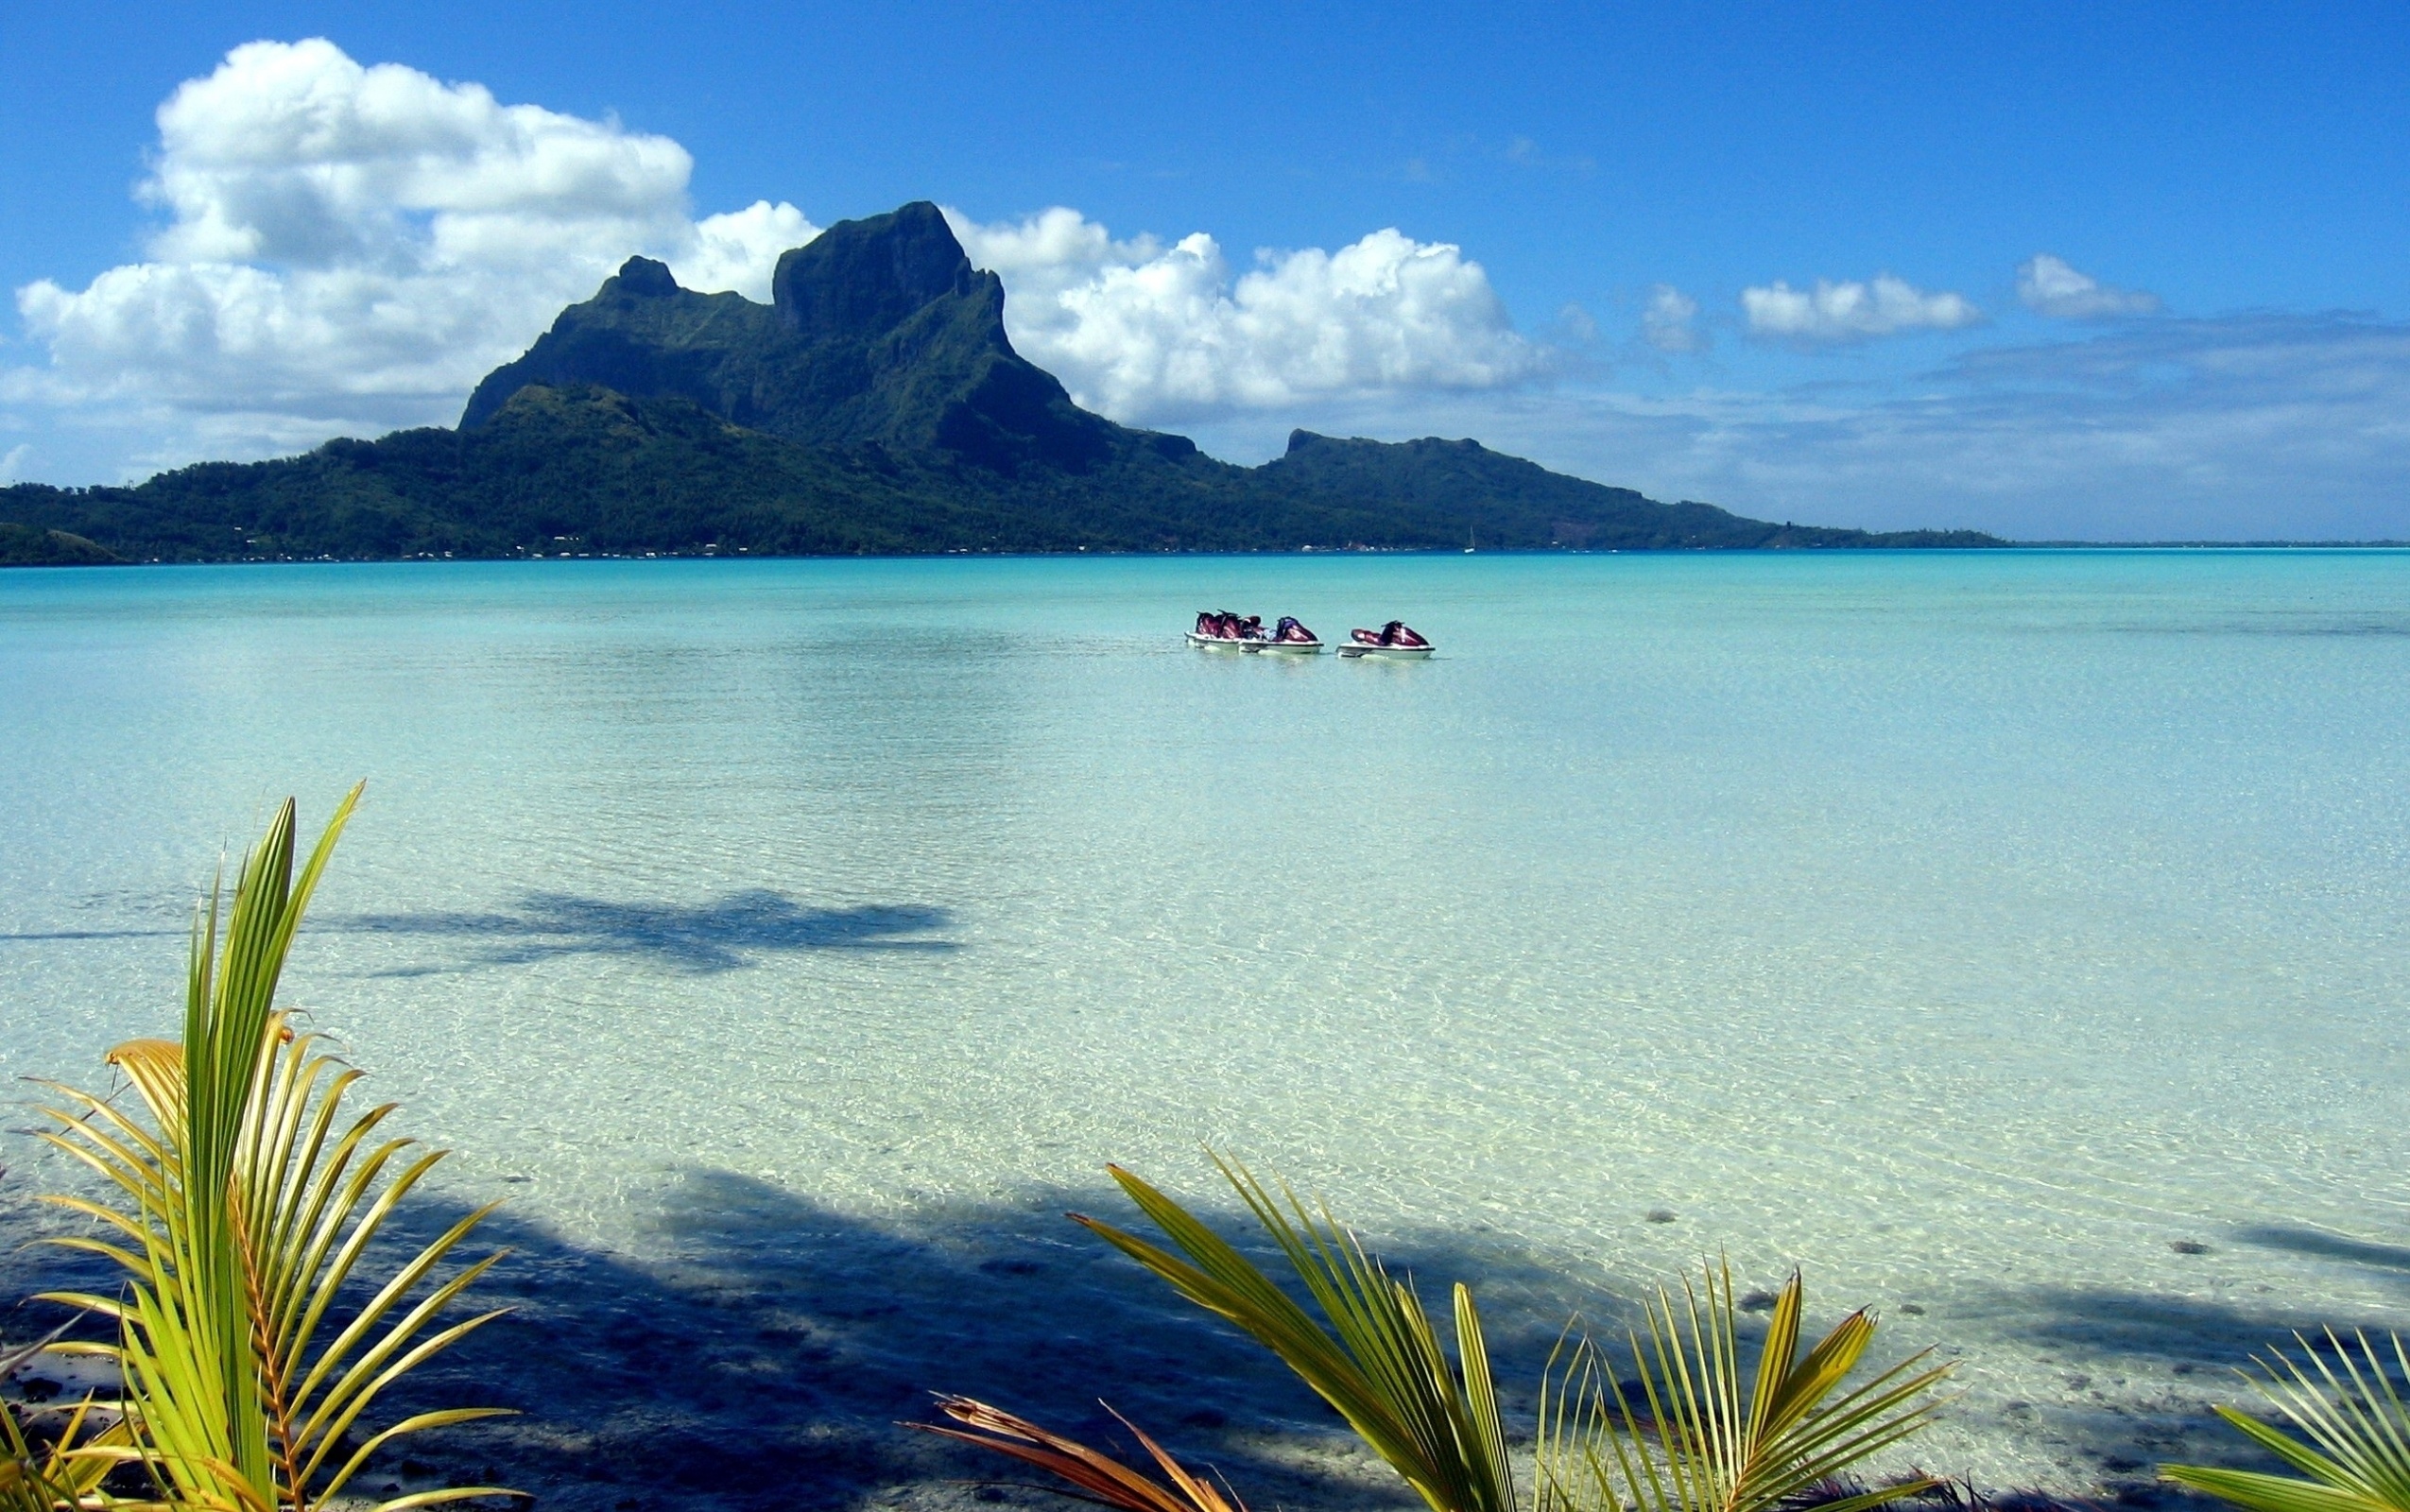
2144, 265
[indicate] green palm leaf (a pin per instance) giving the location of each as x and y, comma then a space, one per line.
1374, 1354
68, 1469
247, 1207
2357, 1456
64, 1473
1702, 1438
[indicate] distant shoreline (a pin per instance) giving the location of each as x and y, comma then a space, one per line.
742, 554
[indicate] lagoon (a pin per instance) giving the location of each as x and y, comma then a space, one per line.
2020, 941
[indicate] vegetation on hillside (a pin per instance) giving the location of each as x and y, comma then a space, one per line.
1509, 502
588, 470
37, 546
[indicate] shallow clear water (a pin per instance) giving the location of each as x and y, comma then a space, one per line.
1969, 929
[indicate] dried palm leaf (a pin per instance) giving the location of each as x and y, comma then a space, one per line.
1097, 1476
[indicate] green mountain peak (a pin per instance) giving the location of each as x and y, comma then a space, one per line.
878, 331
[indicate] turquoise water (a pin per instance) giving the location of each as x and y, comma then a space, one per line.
1969, 929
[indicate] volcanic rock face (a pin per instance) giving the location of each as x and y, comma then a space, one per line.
879, 331
866, 276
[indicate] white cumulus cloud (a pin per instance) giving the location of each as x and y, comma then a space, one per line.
344, 247
2049, 285
1852, 311
739, 250
1148, 332
1666, 323
350, 246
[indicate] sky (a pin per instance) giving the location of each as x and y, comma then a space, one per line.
2059, 271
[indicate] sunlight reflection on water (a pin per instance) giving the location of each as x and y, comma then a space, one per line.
1972, 929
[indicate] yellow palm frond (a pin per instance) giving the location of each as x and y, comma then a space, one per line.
248, 1203
65, 1472
1691, 1435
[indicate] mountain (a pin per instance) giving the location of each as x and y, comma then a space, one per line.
879, 331
1509, 502
875, 405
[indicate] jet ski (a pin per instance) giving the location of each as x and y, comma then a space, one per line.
1223, 631
1291, 638
1394, 642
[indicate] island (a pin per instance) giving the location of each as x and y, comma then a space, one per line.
875, 405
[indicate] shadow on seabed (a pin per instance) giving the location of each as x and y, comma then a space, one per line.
761, 1356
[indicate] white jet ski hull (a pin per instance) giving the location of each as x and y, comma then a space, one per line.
1388, 653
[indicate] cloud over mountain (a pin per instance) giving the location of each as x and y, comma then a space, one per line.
1852, 311
349, 245
1143, 330
346, 248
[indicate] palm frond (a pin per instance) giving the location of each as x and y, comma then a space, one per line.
69, 1468
2357, 1453
1373, 1355
1701, 1439
66, 1472
1095, 1475
246, 1206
